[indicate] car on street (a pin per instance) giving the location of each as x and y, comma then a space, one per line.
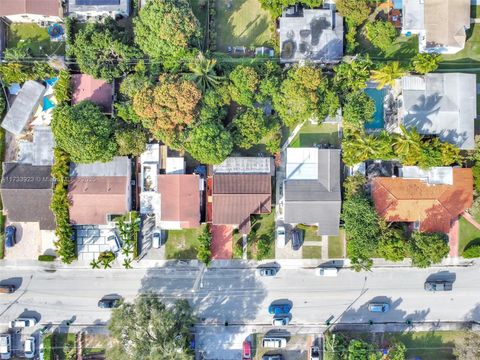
314, 353
113, 242
5, 346
156, 238
274, 342
266, 271
296, 239
22, 322
326, 271
280, 320
279, 309
378, 307
10, 236
247, 350
438, 285
29, 347
280, 235
272, 357
109, 303
7, 289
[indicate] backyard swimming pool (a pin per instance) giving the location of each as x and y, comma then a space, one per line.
378, 96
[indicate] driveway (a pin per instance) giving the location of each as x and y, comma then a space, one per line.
92, 240
146, 249
222, 241
28, 242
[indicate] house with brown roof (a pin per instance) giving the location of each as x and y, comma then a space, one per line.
26, 11
429, 199
86, 87
99, 192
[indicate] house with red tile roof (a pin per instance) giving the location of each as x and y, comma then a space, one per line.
430, 199
86, 87
26, 11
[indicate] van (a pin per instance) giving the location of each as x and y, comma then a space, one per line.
328, 272
7, 289
274, 342
5, 346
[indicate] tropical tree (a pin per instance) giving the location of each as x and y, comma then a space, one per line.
202, 73
358, 147
424, 63
131, 140
352, 76
204, 253
387, 75
358, 109
392, 245
381, 34
244, 81
408, 145
249, 128
356, 11
428, 248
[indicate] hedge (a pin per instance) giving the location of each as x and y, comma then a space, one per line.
46, 258
48, 347
472, 251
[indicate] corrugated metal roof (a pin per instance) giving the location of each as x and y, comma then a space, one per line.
245, 165
119, 166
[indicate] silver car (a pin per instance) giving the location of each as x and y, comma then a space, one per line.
280, 320
156, 239
29, 347
266, 271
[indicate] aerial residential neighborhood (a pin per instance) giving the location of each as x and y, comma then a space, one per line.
239, 179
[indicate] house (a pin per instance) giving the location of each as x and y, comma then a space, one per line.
312, 190
429, 199
99, 192
444, 105
314, 35
31, 11
84, 10
86, 87
39, 151
440, 24
24, 107
27, 193
174, 197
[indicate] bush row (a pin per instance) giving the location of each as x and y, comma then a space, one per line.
212, 29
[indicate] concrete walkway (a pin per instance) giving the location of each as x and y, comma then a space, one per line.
453, 239
324, 247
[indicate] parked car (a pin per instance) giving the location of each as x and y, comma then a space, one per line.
22, 323
378, 307
280, 320
274, 342
156, 238
29, 347
109, 303
7, 289
267, 271
272, 357
113, 242
314, 353
5, 346
438, 285
10, 236
280, 235
279, 309
327, 272
296, 239
247, 350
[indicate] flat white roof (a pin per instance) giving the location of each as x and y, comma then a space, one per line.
302, 163
151, 153
175, 165
435, 175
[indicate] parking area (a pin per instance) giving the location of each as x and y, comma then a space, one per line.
287, 251
147, 251
28, 242
92, 240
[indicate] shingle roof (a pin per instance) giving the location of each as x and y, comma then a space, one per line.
86, 87
410, 200
27, 193
37, 7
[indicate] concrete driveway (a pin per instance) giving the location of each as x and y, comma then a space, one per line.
146, 250
28, 242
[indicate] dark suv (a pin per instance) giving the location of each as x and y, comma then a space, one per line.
109, 303
438, 285
10, 232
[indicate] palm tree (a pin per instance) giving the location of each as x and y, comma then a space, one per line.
95, 264
408, 145
127, 263
388, 74
202, 73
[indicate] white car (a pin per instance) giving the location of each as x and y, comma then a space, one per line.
29, 347
22, 323
5, 346
156, 239
327, 272
113, 242
280, 320
274, 342
281, 236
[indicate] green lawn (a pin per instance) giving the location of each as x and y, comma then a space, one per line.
402, 49
35, 38
469, 57
311, 252
335, 245
64, 346
467, 234
182, 244
262, 225
309, 233
309, 135
241, 23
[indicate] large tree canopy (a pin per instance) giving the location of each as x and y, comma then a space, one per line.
356, 11
84, 132
250, 127
428, 248
209, 142
244, 81
149, 330
358, 109
102, 51
165, 29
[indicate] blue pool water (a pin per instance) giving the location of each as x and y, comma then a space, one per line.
377, 96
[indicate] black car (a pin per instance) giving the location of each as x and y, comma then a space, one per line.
109, 303
296, 239
438, 285
272, 357
10, 232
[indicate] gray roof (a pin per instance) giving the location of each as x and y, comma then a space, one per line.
413, 15
79, 6
316, 36
245, 165
442, 104
40, 150
316, 201
27, 193
23, 107
119, 166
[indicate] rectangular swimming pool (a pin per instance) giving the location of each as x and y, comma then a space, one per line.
378, 96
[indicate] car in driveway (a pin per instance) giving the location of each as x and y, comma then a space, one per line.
266, 271
109, 303
246, 350
10, 236
5, 346
314, 353
438, 285
296, 239
113, 242
280, 236
280, 320
156, 238
22, 322
279, 309
378, 307
29, 347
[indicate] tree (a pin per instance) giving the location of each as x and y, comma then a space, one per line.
244, 82
275, 7
84, 132
387, 75
428, 248
356, 11
168, 107
468, 347
166, 30
209, 142
270, 82
131, 141
3, 103
202, 73
381, 34
358, 147
472, 250
352, 76
397, 351
149, 330
392, 245
408, 145
361, 350
249, 128
102, 51
424, 63
358, 109
204, 253
354, 185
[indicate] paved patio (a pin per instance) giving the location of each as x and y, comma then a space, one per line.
92, 240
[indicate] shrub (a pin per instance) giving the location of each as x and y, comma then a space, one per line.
204, 253
472, 251
46, 258
264, 245
62, 88
48, 347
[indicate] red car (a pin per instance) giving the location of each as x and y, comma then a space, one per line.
247, 350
